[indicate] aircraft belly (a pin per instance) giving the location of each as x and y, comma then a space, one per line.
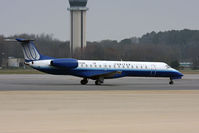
138, 73
149, 73
163, 74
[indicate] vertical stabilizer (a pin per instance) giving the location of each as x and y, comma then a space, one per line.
29, 50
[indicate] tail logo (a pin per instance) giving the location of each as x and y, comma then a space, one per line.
30, 52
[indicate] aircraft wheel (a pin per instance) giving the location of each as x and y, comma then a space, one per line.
84, 81
98, 82
171, 82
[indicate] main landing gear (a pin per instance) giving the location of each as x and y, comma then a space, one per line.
84, 81
99, 81
171, 81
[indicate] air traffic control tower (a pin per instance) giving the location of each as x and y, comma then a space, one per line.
78, 24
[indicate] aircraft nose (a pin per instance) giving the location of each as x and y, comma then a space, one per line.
178, 74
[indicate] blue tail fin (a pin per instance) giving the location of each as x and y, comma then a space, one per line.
29, 50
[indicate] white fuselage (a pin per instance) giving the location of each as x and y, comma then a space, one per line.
109, 65
122, 65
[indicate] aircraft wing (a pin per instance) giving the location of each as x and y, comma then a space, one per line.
107, 74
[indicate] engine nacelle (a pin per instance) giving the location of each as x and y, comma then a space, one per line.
65, 63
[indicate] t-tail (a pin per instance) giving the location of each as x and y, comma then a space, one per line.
30, 51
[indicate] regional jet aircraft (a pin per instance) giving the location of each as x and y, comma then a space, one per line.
92, 69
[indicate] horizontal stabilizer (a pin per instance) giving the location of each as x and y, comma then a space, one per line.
9, 40
29, 50
18, 40
24, 40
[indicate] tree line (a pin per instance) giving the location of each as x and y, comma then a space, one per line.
171, 47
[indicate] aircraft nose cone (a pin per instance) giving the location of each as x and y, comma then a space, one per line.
179, 74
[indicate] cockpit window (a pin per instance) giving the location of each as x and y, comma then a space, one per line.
167, 66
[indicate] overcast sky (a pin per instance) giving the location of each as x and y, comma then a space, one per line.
106, 19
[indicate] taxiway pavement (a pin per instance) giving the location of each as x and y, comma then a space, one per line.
50, 82
49, 104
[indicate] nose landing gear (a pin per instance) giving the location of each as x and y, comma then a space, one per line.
171, 81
